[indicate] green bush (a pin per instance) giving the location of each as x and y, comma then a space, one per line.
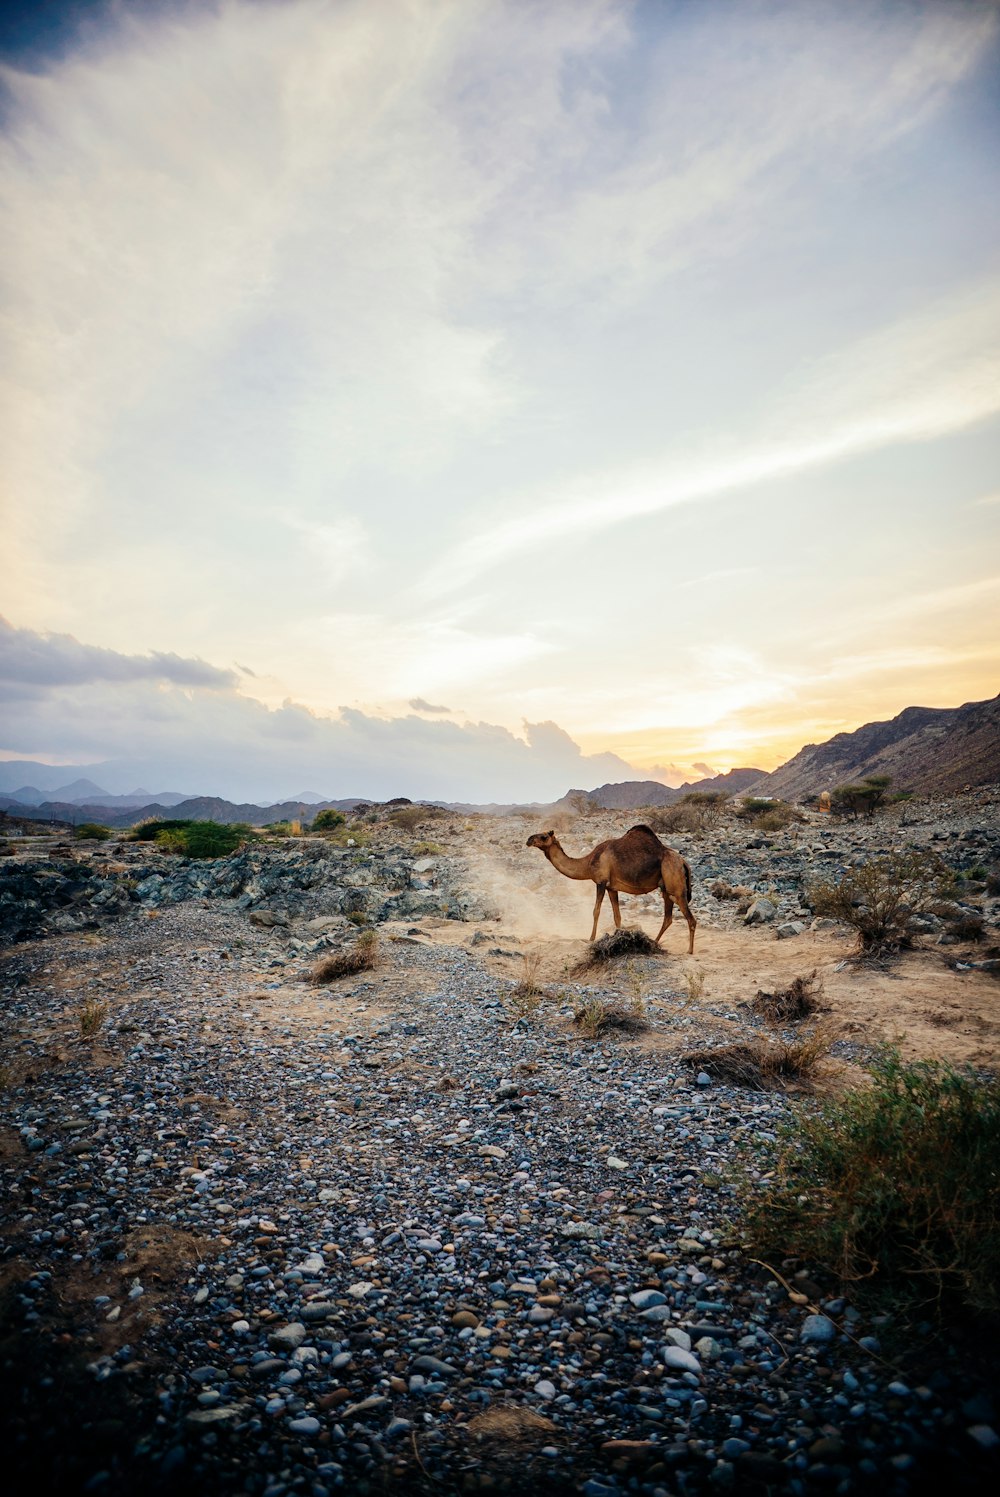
768, 815
93, 831
896, 1185
326, 821
195, 839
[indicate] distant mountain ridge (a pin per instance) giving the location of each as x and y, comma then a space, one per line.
629, 795
930, 750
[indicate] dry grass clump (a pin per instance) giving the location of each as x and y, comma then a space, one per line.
595, 1017
512, 1428
92, 1016
693, 978
524, 999
763, 1063
800, 1000
723, 889
967, 926
361, 957
626, 942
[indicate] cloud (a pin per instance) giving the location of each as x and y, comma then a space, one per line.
419, 705
180, 723
923, 377
31, 659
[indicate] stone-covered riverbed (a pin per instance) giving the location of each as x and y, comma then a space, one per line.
261, 1237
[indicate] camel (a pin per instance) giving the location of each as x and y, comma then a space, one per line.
637, 863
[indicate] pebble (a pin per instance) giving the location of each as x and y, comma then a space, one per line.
817, 1328
401, 1255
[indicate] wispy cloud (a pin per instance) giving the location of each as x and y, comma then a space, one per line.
930, 375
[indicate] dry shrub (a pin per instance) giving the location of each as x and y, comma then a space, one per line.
409, 818
92, 1016
790, 1005
723, 889
361, 957
879, 898
762, 1063
968, 926
525, 997
675, 819
626, 942
596, 1017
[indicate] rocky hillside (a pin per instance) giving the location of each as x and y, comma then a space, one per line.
931, 750
73, 889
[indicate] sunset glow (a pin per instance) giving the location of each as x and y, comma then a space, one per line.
618, 383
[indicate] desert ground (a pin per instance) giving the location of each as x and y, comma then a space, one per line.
413, 1229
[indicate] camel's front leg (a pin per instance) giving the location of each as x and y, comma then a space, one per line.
613, 896
668, 914
597, 909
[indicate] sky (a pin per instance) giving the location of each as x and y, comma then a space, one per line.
472, 399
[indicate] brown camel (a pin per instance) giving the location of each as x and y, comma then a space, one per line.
637, 863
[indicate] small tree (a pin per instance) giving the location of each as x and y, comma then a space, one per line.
92, 831
862, 799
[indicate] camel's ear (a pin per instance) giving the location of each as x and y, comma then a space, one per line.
550, 834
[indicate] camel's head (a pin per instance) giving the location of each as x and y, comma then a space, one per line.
544, 840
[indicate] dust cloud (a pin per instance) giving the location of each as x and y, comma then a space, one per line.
531, 897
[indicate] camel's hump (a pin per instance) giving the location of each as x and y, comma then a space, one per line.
645, 831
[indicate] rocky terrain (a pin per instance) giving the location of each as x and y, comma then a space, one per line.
401, 1233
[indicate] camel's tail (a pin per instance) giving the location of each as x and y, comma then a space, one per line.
687, 881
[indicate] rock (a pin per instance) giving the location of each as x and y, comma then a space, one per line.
760, 912
214, 1416
289, 1336
646, 1299
789, 929
371, 1405
545, 1389
434, 1366
818, 1329
681, 1360
308, 1425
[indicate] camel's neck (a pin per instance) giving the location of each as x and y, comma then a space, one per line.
572, 867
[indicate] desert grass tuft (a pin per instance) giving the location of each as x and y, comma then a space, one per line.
800, 1000
618, 945
524, 999
693, 978
92, 1016
893, 1184
361, 957
763, 1063
595, 1017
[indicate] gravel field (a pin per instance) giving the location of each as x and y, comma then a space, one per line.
266, 1237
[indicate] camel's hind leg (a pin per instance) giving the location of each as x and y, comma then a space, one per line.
597, 909
668, 913
613, 896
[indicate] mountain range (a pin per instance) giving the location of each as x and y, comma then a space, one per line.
929, 750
